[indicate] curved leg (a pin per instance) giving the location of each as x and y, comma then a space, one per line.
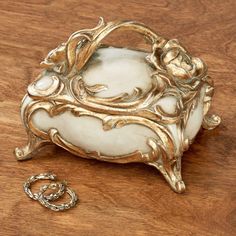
210, 121
26, 152
171, 170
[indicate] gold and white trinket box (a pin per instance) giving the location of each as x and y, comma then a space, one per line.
117, 104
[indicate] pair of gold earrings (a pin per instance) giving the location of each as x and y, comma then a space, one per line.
47, 199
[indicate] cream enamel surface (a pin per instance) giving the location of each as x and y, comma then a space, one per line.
195, 119
87, 132
121, 70
44, 83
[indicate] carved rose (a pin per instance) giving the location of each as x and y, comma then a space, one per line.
175, 59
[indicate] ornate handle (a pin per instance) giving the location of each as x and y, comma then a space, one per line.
88, 40
83, 43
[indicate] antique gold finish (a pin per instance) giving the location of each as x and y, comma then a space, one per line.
176, 73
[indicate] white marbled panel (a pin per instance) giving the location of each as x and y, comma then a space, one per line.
87, 132
195, 119
120, 69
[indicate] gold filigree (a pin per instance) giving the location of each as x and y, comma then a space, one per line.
175, 73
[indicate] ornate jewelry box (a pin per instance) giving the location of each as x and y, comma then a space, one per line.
117, 104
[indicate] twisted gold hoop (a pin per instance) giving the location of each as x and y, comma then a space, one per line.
44, 176
54, 207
